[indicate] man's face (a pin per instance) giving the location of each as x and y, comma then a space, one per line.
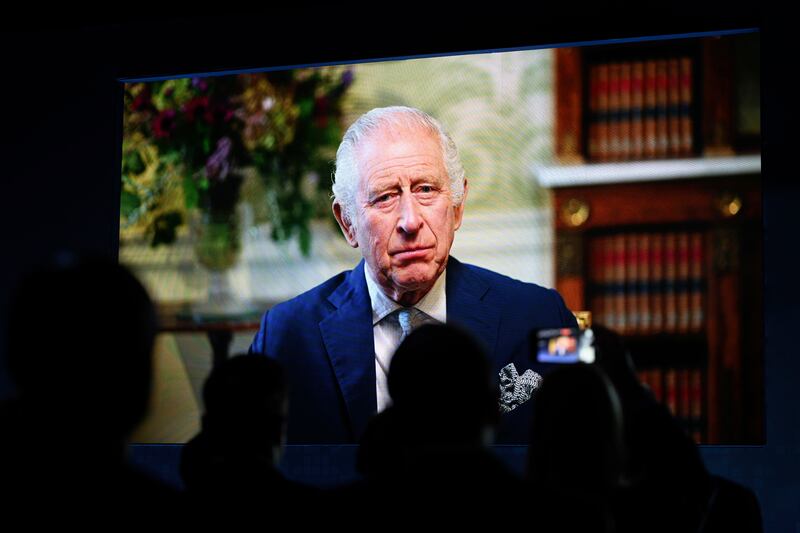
405, 219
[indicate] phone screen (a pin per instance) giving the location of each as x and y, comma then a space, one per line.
564, 346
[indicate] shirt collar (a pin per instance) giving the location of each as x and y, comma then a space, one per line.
433, 304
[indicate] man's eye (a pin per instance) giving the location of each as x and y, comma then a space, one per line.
425, 189
383, 198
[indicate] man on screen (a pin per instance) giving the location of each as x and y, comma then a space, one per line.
399, 196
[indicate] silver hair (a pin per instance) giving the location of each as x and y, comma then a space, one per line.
345, 182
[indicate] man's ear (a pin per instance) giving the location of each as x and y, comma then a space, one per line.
459, 214
348, 229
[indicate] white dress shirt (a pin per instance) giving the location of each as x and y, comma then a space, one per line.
386, 327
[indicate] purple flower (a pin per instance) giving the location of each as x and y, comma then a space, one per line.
164, 124
218, 166
347, 77
199, 83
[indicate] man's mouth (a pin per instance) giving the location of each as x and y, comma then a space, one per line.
411, 253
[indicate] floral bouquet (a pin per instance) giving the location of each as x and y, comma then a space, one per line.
186, 142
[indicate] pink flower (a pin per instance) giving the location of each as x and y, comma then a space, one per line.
321, 111
164, 124
141, 101
198, 107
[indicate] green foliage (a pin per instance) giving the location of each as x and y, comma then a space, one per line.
191, 195
164, 228
128, 203
132, 163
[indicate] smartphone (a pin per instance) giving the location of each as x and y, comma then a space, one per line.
563, 345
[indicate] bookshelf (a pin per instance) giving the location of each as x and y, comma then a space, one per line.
664, 245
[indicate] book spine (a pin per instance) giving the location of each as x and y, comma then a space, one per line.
645, 281
602, 113
650, 110
674, 107
696, 399
632, 282
662, 103
624, 111
696, 283
684, 400
682, 285
619, 284
657, 283
613, 112
596, 266
687, 126
637, 110
608, 283
594, 111
670, 278
657, 384
644, 379
671, 393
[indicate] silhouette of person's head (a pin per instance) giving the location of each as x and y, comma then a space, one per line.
615, 360
245, 401
441, 379
383, 446
577, 442
81, 334
233, 460
654, 440
664, 465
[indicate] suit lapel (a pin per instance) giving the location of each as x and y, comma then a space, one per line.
467, 307
349, 339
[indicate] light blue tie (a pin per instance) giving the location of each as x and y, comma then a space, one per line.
404, 316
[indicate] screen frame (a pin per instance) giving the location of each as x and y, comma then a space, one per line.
769, 469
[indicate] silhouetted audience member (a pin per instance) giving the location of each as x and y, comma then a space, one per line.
577, 458
671, 489
383, 449
80, 354
731, 507
427, 453
233, 460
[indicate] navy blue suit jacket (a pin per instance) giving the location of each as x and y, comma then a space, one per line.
324, 338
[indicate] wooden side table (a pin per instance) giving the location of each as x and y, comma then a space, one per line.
184, 317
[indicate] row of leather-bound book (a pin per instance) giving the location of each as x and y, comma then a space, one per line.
643, 283
640, 109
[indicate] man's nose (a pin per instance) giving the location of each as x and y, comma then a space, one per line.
410, 220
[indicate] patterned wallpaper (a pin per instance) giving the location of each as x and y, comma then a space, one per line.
497, 107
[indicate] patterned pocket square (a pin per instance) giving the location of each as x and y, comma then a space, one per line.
515, 389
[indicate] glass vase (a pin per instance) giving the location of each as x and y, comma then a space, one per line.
217, 244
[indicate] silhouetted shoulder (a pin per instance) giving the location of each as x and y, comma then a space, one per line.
732, 507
